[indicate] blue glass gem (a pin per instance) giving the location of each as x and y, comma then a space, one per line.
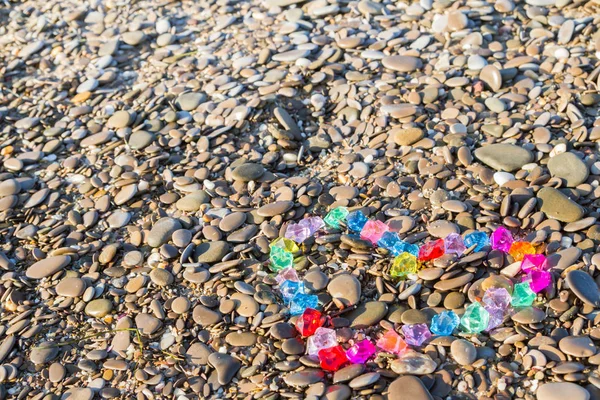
289, 290
392, 243
477, 239
303, 301
356, 220
444, 323
411, 248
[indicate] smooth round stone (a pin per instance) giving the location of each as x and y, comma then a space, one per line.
408, 388
232, 221
406, 137
457, 21
476, 62
463, 351
315, 280
492, 77
275, 208
503, 177
304, 378
584, 287
162, 231
147, 323
43, 353
346, 288
568, 167
204, 316
98, 308
161, 277
189, 101
364, 380
180, 305
402, 63
367, 7
529, 315
48, 266
367, 314
133, 38
348, 373
561, 391
118, 219
244, 339
225, 365
120, 119
181, 237
337, 392
245, 305
139, 140
558, 206
9, 187
413, 363
503, 156
211, 252
495, 104
193, 201
78, 394
197, 353
577, 346
56, 372
70, 287
88, 86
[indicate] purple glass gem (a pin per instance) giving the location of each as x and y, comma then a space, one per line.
287, 274
496, 317
313, 224
534, 261
296, 232
538, 279
454, 244
416, 334
496, 297
501, 239
361, 352
373, 230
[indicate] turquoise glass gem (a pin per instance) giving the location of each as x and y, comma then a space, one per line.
475, 319
280, 259
356, 220
522, 295
392, 243
335, 216
477, 239
444, 323
303, 301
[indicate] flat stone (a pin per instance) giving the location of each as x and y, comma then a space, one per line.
346, 288
584, 287
226, 366
557, 205
197, 354
304, 378
529, 315
248, 172
577, 346
503, 157
561, 391
147, 323
98, 308
402, 63
47, 267
367, 314
568, 167
463, 351
241, 339
408, 388
406, 137
161, 277
211, 252
189, 101
193, 201
337, 392
162, 230
204, 316
275, 208
43, 353
413, 363
70, 287
139, 140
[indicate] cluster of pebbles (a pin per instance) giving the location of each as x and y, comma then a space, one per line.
150, 150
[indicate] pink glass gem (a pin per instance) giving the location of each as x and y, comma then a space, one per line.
297, 233
373, 230
392, 342
361, 352
501, 239
496, 297
332, 358
454, 244
313, 224
287, 274
431, 250
416, 334
538, 279
534, 261
323, 338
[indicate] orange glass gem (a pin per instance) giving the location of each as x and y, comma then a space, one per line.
392, 342
518, 250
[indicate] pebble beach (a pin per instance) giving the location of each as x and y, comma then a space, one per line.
424, 175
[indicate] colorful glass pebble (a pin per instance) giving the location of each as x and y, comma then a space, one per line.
475, 319
323, 338
285, 244
373, 230
280, 259
287, 274
392, 342
356, 220
404, 265
302, 301
522, 295
416, 334
391, 242
496, 318
411, 249
501, 239
454, 244
335, 216
496, 297
309, 321
444, 323
518, 250
296, 232
313, 224
477, 239
332, 358
361, 351
289, 289
534, 261
538, 279
432, 250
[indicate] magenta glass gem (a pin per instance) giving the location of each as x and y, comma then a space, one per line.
454, 244
296, 232
361, 351
416, 334
534, 261
501, 239
373, 230
538, 279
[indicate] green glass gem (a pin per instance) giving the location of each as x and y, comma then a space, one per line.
522, 295
280, 259
475, 319
403, 265
336, 215
286, 244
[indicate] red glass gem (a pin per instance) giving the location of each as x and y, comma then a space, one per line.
431, 250
309, 321
332, 358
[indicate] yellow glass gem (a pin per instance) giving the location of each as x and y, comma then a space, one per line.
286, 244
403, 265
518, 250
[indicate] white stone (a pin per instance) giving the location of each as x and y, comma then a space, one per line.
502, 177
